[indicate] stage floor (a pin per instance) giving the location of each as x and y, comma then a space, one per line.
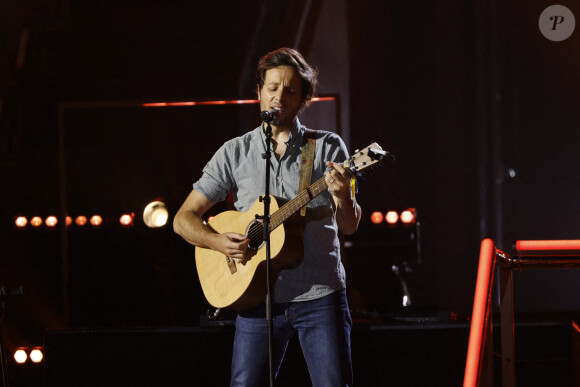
394, 351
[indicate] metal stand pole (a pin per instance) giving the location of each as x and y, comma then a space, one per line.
266, 223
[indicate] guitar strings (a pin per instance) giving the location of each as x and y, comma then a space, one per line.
289, 208
295, 204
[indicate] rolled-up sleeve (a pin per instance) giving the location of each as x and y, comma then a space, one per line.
216, 181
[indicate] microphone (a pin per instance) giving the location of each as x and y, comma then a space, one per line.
270, 115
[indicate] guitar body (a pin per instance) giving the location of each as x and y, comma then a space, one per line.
241, 286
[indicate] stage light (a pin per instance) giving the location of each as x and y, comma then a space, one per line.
51, 221
20, 356
36, 355
21, 221
155, 214
377, 217
81, 220
220, 102
96, 220
392, 217
408, 216
68, 220
36, 221
126, 219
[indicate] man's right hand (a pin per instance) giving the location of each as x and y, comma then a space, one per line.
232, 245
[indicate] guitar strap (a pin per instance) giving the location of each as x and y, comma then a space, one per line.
306, 163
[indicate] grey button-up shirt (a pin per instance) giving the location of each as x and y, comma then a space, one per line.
238, 167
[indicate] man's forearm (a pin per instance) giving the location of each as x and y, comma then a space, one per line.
348, 215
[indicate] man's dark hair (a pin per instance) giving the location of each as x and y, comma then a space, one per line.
289, 57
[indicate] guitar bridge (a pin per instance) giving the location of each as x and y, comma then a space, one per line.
231, 265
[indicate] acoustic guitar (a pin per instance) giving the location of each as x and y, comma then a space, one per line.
241, 286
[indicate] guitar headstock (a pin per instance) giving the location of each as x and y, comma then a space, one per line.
367, 157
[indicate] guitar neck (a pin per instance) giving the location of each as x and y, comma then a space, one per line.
361, 160
303, 198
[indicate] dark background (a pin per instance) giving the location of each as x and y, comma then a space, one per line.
462, 92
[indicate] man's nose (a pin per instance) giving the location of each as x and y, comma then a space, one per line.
280, 94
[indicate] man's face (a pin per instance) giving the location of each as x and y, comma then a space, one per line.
283, 90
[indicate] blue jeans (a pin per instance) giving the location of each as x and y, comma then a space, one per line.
323, 327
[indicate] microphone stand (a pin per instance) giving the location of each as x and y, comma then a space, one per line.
266, 223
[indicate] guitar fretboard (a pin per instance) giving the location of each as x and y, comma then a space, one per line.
369, 156
297, 203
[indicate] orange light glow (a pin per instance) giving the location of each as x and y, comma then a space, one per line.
220, 102
51, 221
96, 220
20, 356
201, 103
478, 331
319, 99
126, 219
155, 214
36, 221
21, 221
408, 216
548, 245
377, 217
36, 355
68, 220
81, 220
392, 217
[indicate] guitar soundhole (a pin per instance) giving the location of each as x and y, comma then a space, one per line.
256, 234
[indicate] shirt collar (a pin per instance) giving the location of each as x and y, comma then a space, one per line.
296, 133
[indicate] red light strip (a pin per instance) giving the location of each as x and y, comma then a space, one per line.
222, 102
548, 245
196, 103
477, 331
